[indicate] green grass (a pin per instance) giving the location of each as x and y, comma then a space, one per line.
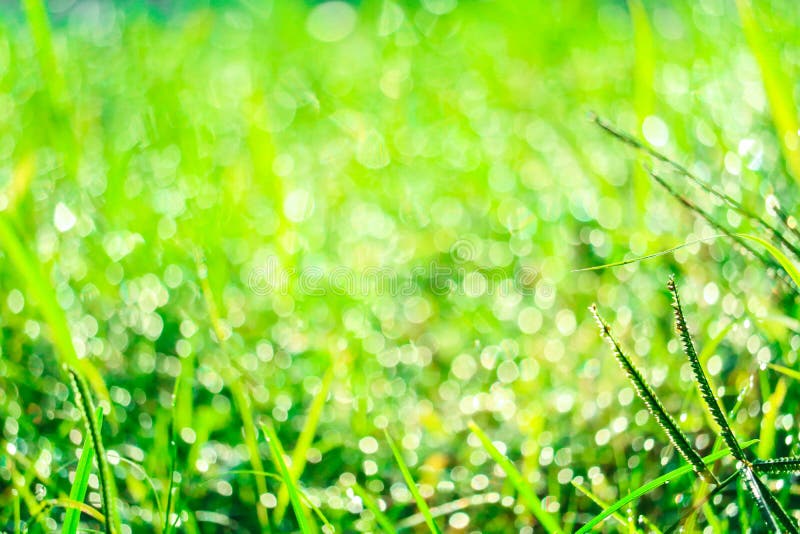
547, 521
349, 218
276, 450
422, 505
369, 503
650, 486
78, 491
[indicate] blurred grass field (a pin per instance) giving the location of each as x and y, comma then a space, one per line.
347, 221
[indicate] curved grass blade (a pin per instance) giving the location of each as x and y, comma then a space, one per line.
524, 490
648, 256
143, 473
69, 504
79, 486
305, 498
83, 400
772, 511
412, 486
653, 404
778, 465
304, 440
787, 264
653, 484
709, 399
373, 507
276, 450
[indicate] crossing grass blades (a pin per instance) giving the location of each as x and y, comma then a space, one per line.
748, 468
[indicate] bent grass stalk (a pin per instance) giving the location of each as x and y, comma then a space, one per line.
767, 504
736, 205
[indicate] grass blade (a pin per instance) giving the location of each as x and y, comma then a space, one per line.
37, 284
778, 465
721, 195
787, 264
701, 501
788, 371
81, 482
693, 207
618, 517
83, 400
304, 440
276, 450
242, 403
648, 256
173, 458
766, 445
373, 507
709, 399
524, 490
643, 77
777, 85
240, 398
653, 404
412, 487
67, 503
768, 505
653, 484
449, 508
36, 14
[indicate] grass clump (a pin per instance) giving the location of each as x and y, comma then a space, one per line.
85, 404
747, 468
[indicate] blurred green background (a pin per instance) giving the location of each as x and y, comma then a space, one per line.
157, 159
